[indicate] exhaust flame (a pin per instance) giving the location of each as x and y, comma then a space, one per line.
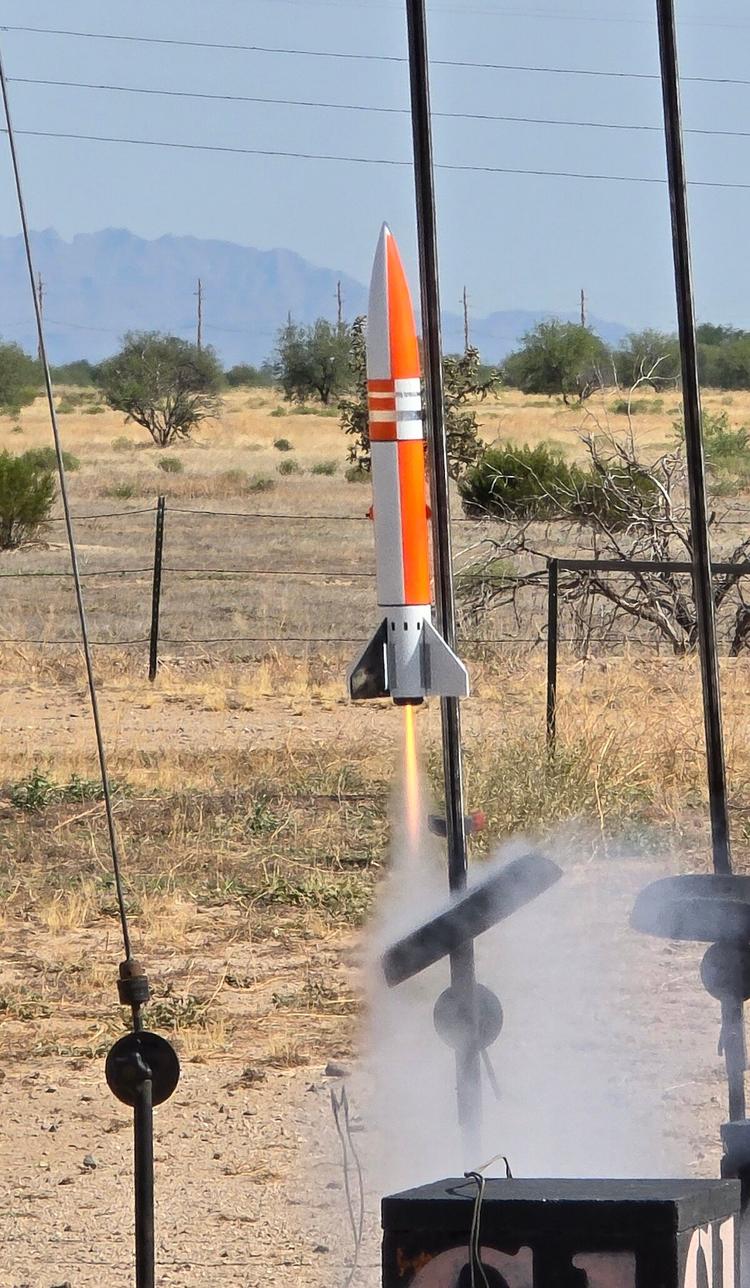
411, 778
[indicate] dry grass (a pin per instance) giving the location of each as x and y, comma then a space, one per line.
253, 801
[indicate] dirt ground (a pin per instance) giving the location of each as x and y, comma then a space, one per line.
248, 1163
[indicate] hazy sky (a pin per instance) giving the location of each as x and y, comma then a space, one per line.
517, 241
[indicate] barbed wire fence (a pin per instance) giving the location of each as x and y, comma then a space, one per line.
541, 625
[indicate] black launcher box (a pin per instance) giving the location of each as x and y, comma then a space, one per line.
564, 1234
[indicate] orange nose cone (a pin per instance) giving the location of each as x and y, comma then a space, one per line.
404, 347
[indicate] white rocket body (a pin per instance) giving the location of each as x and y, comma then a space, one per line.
407, 659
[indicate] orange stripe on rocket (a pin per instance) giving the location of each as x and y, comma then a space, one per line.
406, 658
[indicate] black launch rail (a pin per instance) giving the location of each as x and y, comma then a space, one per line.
462, 963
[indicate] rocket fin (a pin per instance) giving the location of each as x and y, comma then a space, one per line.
444, 673
368, 676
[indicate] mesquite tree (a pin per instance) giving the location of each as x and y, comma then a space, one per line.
163, 383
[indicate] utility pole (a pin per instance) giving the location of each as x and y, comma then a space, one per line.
199, 294
339, 304
466, 321
40, 296
583, 307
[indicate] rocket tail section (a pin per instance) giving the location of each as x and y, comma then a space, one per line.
391, 666
444, 672
368, 676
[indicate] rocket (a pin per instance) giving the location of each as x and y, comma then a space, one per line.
406, 659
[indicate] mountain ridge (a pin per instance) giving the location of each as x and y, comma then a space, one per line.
99, 285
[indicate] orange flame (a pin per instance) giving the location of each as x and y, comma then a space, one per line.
411, 777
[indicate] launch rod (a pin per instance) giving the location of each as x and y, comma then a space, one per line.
701, 551
463, 974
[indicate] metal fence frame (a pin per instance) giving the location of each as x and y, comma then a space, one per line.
601, 565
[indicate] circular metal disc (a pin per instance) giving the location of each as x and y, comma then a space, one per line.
137, 1056
453, 1020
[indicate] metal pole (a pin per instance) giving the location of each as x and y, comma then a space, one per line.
553, 569
463, 974
701, 552
143, 1120
156, 588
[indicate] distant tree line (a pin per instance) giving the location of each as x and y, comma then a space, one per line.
572, 361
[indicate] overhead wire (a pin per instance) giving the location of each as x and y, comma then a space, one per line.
360, 57
363, 107
382, 161
72, 546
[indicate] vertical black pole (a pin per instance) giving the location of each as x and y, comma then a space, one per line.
156, 588
701, 552
553, 569
463, 976
143, 1118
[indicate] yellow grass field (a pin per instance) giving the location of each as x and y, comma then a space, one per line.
253, 804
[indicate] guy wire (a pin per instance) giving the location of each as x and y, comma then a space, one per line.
104, 772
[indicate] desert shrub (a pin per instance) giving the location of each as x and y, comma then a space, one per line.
283, 445
81, 372
96, 409
46, 459
279, 411
290, 467
121, 491
122, 444
38, 790
727, 450
244, 374
512, 481
260, 483
634, 407
171, 465
66, 406
27, 493
324, 467
357, 474
20, 379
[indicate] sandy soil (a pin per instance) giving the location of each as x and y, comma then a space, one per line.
249, 1172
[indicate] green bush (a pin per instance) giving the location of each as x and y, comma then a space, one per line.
283, 445
260, 483
121, 491
621, 406
520, 483
628, 494
290, 467
243, 374
727, 450
324, 467
46, 459
171, 465
96, 409
38, 790
279, 411
123, 444
27, 493
356, 474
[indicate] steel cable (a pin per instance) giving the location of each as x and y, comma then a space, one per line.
85, 641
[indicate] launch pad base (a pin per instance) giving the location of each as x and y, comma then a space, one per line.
564, 1234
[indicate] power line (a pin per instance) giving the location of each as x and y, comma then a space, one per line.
356, 160
363, 107
370, 58
546, 14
